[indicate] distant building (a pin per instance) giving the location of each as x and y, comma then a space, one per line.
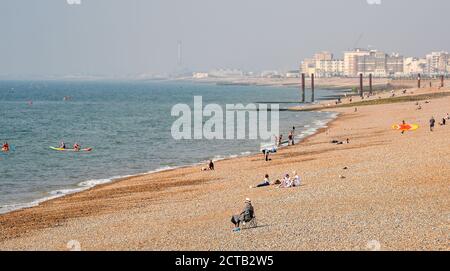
308, 66
394, 65
322, 64
379, 64
351, 61
200, 75
448, 66
270, 74
226, 73
292, 74
373, 63
376, 63
437, 63
323, 56
329, 68
414, 66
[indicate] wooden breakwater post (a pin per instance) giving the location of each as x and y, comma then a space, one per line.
312, 87
418, 80
361, 90
442, 81
370, 84
303, 87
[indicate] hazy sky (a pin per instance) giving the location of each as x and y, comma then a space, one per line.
117, 37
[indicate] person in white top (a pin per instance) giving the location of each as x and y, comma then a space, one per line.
286, 182
296, 181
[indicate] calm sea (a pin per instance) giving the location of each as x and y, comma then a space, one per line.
128, 125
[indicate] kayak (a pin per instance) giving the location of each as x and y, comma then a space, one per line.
61, 149
405, 127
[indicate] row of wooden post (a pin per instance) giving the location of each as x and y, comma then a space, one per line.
312, 86
304, 87
419, 80
361, 85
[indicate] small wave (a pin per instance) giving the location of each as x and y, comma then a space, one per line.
85, 185
82, 186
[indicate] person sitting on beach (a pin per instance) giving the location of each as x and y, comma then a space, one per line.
286, 182
337, 142
444, 122
265, 182
5, 147
245, 216
296, 180
447, 116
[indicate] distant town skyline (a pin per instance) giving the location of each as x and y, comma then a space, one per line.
119, 38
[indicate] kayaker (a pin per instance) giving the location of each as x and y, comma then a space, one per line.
76, 147
5, 147
62, 145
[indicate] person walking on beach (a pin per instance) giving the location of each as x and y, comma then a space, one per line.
280, 140
293, 135
289, 138
266, 153
432, 122
211, 165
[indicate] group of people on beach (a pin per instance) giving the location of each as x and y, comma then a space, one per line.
210, 166
285, 182
432, 121
248, 213
278, 143
443, 122
291, 138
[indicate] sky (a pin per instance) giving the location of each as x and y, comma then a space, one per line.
129, 37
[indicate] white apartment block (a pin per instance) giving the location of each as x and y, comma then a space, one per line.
437, 63
351, 61
329, 68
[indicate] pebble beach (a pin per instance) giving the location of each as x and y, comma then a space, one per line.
382, 191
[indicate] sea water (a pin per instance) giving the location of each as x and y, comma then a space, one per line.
128, 125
